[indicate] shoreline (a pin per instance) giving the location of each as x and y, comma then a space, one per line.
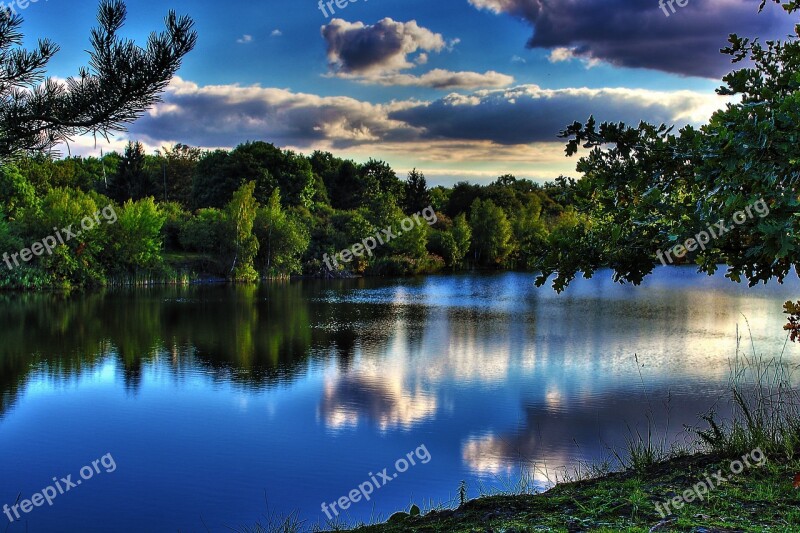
757, 499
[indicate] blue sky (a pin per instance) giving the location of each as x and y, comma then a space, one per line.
461, 89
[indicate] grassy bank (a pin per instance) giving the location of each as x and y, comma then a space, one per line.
758, 499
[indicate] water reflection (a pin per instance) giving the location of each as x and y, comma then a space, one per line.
301, 388
375, 397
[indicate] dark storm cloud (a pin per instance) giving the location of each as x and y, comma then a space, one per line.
356, 48
638, 33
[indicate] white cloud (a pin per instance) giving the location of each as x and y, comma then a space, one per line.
245, 39
561, 54
445, 79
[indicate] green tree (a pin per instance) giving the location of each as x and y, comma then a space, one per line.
175, 219
220, 173
461, 198
240, 215
530, 235
205, 232
78, 260
282, 240
180, 165
15, 191
136, 236
380, 180
462, 238
131, 180
413, 242
290, 172
439, 197
417, 196
451, 239
491, 233
340, 178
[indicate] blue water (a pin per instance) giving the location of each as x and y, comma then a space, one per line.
220, 405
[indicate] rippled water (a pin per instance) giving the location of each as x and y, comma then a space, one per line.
221, 404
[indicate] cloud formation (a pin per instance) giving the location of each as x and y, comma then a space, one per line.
225, 115
529, 114
377, 53
356, 48
638, 34
444, 79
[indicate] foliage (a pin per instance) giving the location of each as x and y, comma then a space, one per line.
220, 173
645, 188
77, 261
290, 235
175, 218
8, 241
283, 169
417, 196
180, 163
453, 243
491, 233
792, 309
204, 232
137, 236
131, 180
282, 239
240, 215
462, 236
413, 242
122, 81
16, 192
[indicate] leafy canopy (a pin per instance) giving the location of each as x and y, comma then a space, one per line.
647, 188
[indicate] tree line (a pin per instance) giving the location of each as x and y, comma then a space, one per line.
258, 211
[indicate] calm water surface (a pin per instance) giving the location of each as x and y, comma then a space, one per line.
222, 404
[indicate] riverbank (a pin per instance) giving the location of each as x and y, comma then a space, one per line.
760, 498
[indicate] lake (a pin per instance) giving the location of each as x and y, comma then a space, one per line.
211, 406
